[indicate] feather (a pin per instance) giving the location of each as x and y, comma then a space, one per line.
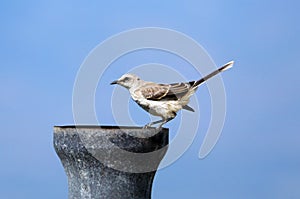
187, 107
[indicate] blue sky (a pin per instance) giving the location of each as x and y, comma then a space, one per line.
43, 44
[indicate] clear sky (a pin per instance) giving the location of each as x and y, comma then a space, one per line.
43, 44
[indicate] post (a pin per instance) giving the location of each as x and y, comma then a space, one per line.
110, 162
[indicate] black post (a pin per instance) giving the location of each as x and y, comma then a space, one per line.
110, 162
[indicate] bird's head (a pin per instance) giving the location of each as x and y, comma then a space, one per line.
127, 81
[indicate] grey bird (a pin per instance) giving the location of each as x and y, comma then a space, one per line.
163, 100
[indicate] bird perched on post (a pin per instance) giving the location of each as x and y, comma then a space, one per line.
163, 100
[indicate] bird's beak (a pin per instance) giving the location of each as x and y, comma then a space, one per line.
114, 82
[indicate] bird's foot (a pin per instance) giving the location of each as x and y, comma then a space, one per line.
147, 126
158, 129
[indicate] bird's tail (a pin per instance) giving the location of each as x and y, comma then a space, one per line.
185, 99
223, 68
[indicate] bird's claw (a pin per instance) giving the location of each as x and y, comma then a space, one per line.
158, 129
146, 126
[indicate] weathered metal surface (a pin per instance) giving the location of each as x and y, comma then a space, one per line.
109, 162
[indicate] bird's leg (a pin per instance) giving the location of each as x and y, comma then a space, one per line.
167, 120
152, 123
164, 121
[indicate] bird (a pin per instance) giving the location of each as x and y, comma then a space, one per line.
163, 100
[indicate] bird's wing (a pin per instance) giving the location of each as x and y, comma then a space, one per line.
165, 91
153, 91
180, 89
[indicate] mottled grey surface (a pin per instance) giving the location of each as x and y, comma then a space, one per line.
90, 158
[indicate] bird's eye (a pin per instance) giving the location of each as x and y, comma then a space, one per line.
126, 79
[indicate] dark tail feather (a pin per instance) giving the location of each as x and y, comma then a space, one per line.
223, 68
187, 107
